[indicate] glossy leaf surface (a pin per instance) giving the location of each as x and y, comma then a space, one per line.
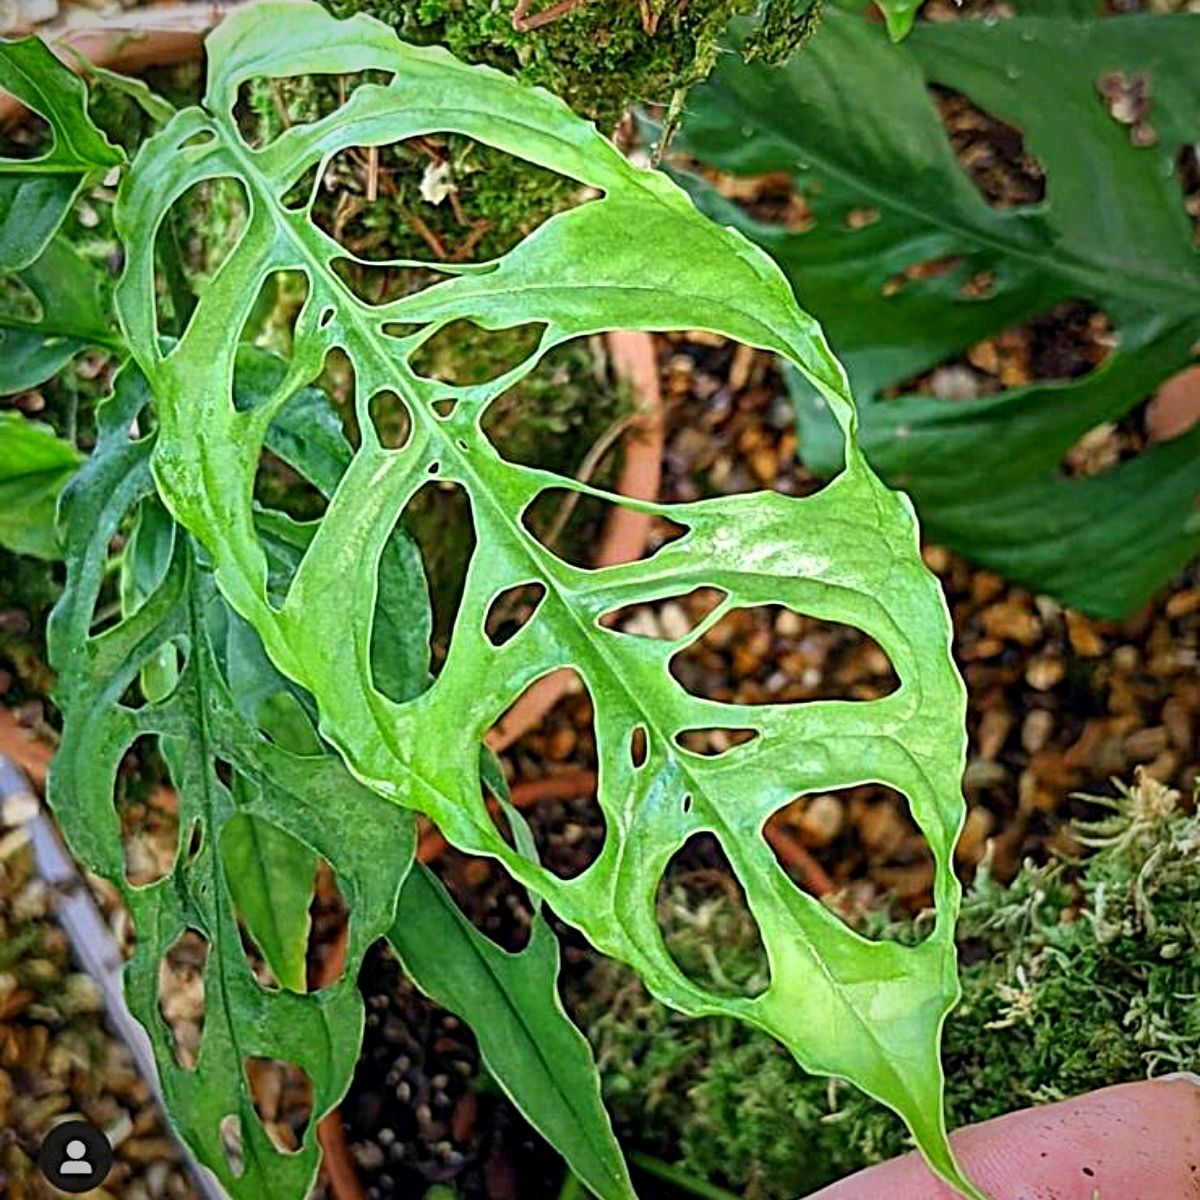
851, 119
637, 257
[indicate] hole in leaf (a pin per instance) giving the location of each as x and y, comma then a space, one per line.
436, 198
463, 353
148, 812
990, 151
303, 192
444, 407
195, 840
272, 320
380, 283
25, 135
438, 518
205, 137
930, 268
1110, 443
230, 1130
860, 218
400, 329
268, 106
329, 930
391, 420
282, 1094
706, 924
868, 849
567, 414
195, 237
637, 746
181, 994
1175, 407
18, 302
1187, 166
732, 426
715, 741
773, 199
255, 960
552, 752
670, 619
1066, 342
511, 610
573, 525
769, 654
158, 678
279, 486
270, 875
401, 629
1129, 101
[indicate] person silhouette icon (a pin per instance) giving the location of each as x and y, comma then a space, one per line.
75, 1163
75, 1157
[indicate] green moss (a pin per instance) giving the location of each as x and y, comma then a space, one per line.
1075, 976
599, 58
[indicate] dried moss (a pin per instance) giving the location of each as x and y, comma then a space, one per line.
1075, 976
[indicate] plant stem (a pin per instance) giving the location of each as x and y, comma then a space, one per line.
680, 1179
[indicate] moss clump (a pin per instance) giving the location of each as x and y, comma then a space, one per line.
604, 58
600, 58
1075, 976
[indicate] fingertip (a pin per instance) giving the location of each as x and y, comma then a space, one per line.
1140, 1139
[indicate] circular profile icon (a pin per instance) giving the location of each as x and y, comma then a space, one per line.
75, 1157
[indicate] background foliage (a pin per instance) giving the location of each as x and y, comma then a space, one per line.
906, 264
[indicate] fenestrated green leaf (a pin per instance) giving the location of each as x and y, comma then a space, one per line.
224, 771
36, 193
35, 347
525, 1038
637, 257
851, 119
35, 465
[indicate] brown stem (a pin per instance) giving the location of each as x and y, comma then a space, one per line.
523, 23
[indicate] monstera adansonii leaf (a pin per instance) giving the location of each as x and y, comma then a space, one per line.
283, 800
37, 193
852, 121
636, 256
227, 771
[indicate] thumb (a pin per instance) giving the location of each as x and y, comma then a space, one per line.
1137, 1141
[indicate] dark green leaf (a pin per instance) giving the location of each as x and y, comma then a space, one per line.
225, 772
65, 288
37, 193
525, 1038
852, 121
